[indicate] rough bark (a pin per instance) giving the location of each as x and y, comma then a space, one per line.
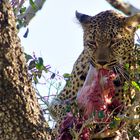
20, 114
126, 8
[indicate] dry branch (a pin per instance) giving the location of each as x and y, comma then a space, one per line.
126, 8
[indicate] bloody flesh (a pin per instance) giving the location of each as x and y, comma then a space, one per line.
97, 92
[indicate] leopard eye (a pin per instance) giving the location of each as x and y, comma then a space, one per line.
91, 44
130, 27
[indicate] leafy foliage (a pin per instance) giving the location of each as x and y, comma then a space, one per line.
42, 75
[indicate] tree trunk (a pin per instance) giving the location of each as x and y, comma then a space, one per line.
20, 115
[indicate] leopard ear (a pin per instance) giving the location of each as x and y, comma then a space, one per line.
82, 17
133, 21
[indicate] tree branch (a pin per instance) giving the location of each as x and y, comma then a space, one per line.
31, 11
126, 8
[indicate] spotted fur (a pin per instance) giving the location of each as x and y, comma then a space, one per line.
108, 43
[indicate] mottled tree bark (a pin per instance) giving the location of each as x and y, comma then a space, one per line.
124, 7
20, 114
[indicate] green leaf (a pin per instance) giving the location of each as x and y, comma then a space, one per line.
138, 26
136, 85
35, 79
112, 124
22, 10
39, 73
39, 64
127, 66
31, 65
126, 86
115, 123
68, 83
40, 60
28, 57
117, 119
66, 76
101, 114
33, 5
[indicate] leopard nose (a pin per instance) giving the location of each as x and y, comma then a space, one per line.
102, 62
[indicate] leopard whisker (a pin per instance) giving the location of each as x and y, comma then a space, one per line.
125, 72
116, 71
122, 73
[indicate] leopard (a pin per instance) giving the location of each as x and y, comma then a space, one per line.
108, 40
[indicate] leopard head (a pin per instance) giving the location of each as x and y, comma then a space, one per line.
108, 37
